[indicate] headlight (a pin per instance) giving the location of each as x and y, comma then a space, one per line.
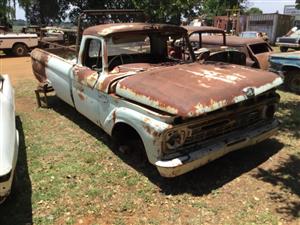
277, 39
176, 138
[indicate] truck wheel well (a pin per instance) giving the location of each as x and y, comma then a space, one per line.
123, 132
19, 43
125, 135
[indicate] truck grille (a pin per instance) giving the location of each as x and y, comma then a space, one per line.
233, 118
203, 132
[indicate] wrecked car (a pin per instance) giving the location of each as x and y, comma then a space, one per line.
288, 65
183, 114
257, 50
9, 137
291, 40
220, 53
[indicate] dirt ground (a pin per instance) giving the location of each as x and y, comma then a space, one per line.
69, 175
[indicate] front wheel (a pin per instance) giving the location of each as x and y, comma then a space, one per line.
284, 49
293, 81
20, 50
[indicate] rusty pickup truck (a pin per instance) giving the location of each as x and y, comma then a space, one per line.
183, 114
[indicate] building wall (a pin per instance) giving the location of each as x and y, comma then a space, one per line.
274, 24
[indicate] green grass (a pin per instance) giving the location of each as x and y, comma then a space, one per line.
69, 173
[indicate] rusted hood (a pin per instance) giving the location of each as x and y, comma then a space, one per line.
193, 89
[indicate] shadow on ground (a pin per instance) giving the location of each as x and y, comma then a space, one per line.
289, 116
287, 177
198, 182
17, 209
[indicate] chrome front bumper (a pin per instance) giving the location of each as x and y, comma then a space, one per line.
218, 148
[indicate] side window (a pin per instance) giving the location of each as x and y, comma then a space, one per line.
94, 48
92, 54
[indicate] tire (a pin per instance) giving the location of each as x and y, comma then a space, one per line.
284, 49
20, 50
292, 81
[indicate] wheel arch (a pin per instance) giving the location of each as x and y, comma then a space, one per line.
21, 43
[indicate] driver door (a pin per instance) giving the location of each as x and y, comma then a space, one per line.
85, 95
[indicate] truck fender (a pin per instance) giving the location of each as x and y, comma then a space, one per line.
149, 129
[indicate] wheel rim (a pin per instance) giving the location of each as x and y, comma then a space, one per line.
295, 84
20, 51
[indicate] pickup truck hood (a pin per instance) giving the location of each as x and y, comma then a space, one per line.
190, 90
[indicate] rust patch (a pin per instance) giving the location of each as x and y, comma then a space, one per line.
263, 60
123, 71
114, 116
150, 131
81, 96
85, 75
110, 29
39, 62
190, 90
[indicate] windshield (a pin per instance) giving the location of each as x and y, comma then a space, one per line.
142, 48
137, 44
296, 34
260, 48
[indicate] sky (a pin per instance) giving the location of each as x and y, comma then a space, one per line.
270, 6
267, 6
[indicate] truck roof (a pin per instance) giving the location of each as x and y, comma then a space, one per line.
110, 29
231, 40
203, 29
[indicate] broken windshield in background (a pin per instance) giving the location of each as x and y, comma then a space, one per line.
128, 44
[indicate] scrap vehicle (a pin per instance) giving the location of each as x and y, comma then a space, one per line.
17, 44
181, 114
9, 137
257, 50
291, 40
254, 34
288, 65
52, 36
220, 53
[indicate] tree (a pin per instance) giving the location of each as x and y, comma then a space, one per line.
170, 11
44, 12
297, 4
254, 11
7, 12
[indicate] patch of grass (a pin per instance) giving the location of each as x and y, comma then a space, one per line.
71, 173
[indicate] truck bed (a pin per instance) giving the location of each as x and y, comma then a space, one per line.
67, 53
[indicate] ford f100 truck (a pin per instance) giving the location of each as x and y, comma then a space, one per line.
183, 114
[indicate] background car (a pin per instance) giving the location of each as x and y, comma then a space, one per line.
291, 40
254, 34
9, 138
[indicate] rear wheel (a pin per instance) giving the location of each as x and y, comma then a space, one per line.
20, 50
292, 81
284, 49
